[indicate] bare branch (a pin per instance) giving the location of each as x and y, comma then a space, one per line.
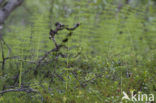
1, 1
46, 54
28, 90
8, 8
52, 34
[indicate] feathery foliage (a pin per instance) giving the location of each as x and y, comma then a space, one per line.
113, 50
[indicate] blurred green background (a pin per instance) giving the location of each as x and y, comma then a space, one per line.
113, 50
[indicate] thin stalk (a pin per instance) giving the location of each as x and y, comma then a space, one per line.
3, 57
67, 63
20, 74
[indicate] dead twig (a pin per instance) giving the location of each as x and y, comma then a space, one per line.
7, 58
27, 90
46, 55
52, 34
